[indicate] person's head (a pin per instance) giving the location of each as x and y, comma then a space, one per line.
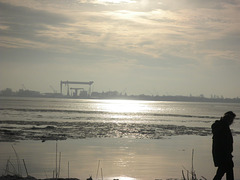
229, 117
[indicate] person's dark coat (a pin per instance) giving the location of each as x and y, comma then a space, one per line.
222, 146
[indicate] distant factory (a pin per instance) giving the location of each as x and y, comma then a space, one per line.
76, 91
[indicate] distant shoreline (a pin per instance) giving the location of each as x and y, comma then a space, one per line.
136, 97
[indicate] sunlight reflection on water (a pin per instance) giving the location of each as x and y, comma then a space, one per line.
122, 178
123, 106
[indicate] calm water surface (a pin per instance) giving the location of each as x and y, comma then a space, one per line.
114, 111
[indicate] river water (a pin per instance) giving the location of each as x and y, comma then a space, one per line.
119, 139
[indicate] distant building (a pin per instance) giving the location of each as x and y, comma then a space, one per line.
28, 93
7, 92
83, 94
96, 95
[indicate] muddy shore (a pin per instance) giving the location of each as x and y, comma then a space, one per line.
42, 130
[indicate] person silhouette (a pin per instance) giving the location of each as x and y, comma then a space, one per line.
222, 146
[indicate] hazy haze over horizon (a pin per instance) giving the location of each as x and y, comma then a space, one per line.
175, 47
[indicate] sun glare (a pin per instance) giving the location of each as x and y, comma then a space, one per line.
122, 106
124, 178
116, 1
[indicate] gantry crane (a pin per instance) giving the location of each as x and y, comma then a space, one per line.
76, 90
67, 83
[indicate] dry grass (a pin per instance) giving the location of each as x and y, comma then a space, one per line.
191, 175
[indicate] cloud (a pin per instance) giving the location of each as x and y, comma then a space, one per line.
25, 15
20, 25
143, 39
153, 33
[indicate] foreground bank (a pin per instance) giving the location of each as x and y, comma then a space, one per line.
131, 159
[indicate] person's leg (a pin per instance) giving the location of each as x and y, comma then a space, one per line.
229, 174
229, 170
220, 172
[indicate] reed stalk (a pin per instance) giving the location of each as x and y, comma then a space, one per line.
7, 166
56, 160
18, 162
59, 165
102, 173
68, 169
25, 167
98, 170
14, 169
183, 175
193, 173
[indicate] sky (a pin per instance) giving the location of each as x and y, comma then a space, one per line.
154, 47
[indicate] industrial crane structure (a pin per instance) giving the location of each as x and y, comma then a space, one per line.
67, 83
76, 91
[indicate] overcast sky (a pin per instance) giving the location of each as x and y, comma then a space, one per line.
155, 47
